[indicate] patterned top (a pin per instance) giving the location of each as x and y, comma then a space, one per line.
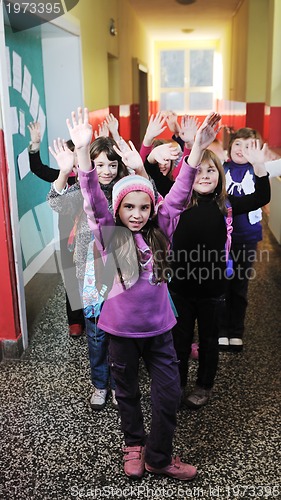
71, 203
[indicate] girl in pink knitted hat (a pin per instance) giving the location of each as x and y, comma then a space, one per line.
137, 313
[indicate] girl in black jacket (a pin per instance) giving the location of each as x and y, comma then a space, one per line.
199, 263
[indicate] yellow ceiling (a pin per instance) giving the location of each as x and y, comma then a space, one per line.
165, 19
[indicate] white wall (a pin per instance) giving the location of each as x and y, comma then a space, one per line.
62, 68
274, 221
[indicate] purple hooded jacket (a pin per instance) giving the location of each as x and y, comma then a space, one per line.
143, 309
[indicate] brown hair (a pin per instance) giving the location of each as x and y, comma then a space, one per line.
243, 133
220, 193
105, 145
126, 251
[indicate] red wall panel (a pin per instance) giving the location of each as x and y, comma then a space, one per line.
274, 127
9, 314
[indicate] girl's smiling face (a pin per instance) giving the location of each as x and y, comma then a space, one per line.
107, 170
236, 152
207, 178
134, 210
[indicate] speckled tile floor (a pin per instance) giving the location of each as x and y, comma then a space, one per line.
53, 446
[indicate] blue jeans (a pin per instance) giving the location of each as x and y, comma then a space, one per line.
98, 352
98, 355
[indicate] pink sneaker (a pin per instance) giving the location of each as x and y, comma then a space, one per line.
176, 469
134, 461
194, 351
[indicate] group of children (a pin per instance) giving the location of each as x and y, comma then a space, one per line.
200, 288
153, 255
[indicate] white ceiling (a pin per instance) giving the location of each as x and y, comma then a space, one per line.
164, 19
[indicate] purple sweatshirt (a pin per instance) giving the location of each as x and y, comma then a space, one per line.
143, 309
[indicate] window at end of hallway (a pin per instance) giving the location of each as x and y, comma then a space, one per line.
187, 82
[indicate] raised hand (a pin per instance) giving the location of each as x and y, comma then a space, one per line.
208, 130
129, 155
188, 129
113, 126
102, 130
204, 137
122, 145
80, 130
256, 155
161, 154
154, 128
63, 156
35, 133
172, 122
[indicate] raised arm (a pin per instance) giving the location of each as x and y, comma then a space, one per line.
35, 135
255, 155
172, 122
162, 153
252, 201
65, 160
113, 126
273, 167
204, 137
154, 128
185, 153
81, 133
95, 202
188, 129
259, 159
130, 157
102, 130
37, 167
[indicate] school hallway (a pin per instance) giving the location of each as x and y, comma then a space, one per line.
53, 446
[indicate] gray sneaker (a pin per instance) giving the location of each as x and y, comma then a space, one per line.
114, 402
198, 397
98, 399
223, 343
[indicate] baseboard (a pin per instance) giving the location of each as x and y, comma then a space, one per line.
11, 349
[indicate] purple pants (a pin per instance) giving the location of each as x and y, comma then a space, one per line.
161, 362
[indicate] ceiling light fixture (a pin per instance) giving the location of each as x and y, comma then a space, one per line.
112, 28
185, 2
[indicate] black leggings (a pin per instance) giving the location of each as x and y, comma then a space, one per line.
206, 312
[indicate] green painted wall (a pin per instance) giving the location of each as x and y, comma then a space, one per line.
36, 225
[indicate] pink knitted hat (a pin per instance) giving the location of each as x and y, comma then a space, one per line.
127, 185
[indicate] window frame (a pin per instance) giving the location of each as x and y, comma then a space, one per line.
186, 90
